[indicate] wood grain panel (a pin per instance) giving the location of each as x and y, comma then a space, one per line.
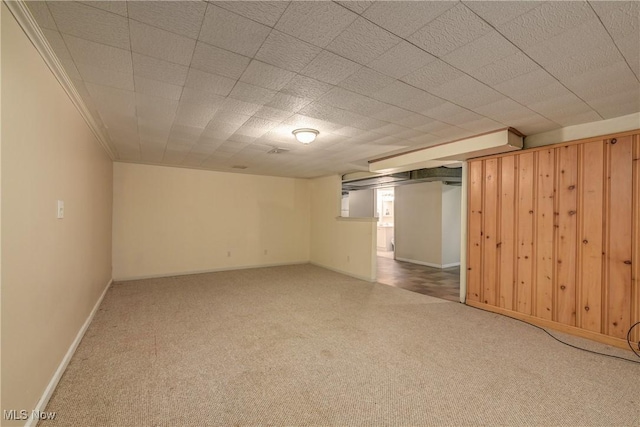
618, 259
566, 219
590, 235
507, 243
554, 235
544, 242
525, 220
489, 229
474, 231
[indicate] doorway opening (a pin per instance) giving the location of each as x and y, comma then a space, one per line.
385, 230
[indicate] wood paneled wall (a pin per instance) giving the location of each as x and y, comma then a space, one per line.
554, 236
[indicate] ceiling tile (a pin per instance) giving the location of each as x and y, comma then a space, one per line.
396, 93
400, 60
57, 43
153, 108
161, 44
184, 18
363, 42
546, 21
629, 48
505, 69
330, 68
232, 32
253, 94
434, 74
531, 87
451, 30
497, 13
351, 101
219, 61
481, 52
198, 96
112, 99
90, 23
194, 115
157, 69
366, 81
452, 114
105, 77
504, 111
285, 51
157, 88
239, 107
600, 82
266, 76
42, 15
306, 87
264, 12
467, 92
317, 23
404, 18
357, 6
118, 7
99, 55
273, 114
618, 104
208, 82
286, 102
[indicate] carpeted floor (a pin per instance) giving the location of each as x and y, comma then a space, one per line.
301, 345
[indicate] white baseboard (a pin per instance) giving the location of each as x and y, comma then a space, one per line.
453, 264
414, 261
44, 400
346, 273
212, 270
428, 264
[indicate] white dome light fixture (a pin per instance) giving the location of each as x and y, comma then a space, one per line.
306, 136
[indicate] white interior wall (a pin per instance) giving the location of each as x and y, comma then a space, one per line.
418, 222
54, 270
362, 203
346, 245
451, 217
178, 221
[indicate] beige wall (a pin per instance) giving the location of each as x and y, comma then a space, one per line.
418, 222
362, 203
346, 245
173, 220
53, 270
451, 216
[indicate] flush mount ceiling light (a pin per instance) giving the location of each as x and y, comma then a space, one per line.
306, 136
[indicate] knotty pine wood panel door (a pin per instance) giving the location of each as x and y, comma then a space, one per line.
554, 236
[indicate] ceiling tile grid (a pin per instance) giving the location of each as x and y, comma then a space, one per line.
219, 84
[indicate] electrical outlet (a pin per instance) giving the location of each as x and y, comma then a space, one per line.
60, 209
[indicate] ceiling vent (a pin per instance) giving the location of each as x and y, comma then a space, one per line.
277, 150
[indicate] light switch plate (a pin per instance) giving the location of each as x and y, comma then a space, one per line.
60, 209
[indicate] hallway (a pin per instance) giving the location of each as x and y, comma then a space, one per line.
435, 282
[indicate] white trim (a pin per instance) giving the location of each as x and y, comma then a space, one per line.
346, 273
212, 270
584, 130
44, 400
453, 264
413, 261
23, 16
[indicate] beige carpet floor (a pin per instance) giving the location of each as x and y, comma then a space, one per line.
301, 345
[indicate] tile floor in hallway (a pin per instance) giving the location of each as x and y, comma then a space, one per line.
435, 282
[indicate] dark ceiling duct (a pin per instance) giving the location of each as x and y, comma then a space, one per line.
449, 176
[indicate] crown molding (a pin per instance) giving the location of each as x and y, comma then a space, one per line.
27, 22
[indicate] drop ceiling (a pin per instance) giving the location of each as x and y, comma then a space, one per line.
219, 85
